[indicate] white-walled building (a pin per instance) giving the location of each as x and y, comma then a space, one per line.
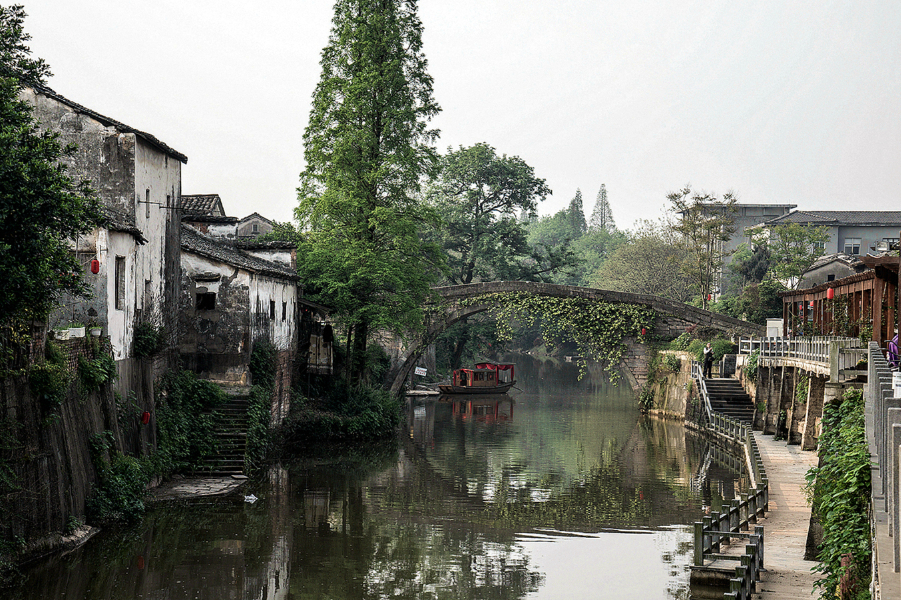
138, 179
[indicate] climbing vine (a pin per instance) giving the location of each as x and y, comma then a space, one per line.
840, 491
802, 388
598, 328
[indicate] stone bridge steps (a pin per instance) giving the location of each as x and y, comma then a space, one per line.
231, 438
728, 397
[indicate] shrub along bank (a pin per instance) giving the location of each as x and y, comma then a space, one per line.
839, 491
185, 416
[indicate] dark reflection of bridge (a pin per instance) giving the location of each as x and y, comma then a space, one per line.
456, 303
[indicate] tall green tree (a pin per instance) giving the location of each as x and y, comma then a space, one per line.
482, 197
42, 207
576, 215
602, 215
793, 248
479, 195
367, 147
705, 223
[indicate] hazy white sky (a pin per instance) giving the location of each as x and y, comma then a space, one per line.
780, 101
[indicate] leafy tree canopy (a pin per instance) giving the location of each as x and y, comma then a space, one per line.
367, 147
706, 223
648, 262
793, 247
15, 56
41, 207
479, 195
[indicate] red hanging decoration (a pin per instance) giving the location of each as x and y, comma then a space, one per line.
95, 266
830, 294
644, 331
145, 418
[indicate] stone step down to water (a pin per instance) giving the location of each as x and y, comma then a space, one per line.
728, 397
230, 434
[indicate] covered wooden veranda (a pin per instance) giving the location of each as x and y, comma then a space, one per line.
847, 306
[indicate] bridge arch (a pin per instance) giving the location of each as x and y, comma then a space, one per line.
673, 318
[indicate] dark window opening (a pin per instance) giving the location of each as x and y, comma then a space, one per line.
272, 309
284, 310
206, 301
830, 278
120, 283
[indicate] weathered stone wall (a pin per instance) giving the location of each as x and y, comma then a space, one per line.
216, 343
51, 458
673, 391
281, 393
785, 415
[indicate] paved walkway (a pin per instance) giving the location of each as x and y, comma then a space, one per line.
787, 575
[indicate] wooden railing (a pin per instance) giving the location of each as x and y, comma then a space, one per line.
837, 354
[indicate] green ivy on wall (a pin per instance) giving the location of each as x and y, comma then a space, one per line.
839, 490
598, 328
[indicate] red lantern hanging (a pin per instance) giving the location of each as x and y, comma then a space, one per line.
95, 266
644, 331
145, 418
830, 294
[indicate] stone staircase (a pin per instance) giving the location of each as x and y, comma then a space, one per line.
231, 436
728, 397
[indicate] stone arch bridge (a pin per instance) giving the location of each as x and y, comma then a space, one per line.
673, 318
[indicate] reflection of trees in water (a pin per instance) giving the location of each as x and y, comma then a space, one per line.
377, 542
425, 561
207, 551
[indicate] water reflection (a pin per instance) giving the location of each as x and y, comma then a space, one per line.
559, 491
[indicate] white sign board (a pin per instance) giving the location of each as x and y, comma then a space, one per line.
419, 371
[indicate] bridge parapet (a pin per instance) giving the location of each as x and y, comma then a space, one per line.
673, 319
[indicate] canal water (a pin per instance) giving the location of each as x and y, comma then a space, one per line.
561, 490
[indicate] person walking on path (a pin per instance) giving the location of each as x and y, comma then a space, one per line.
708, 360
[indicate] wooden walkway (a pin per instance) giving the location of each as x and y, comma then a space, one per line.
787, 575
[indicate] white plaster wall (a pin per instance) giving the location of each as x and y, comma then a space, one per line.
194, 264
120, 323
263, 289
277, 256
222, 230
161, 175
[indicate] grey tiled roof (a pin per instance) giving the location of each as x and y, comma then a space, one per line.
255, 244
208, 219
202, 204
119, 221
852, 261
122, 127
197, 243
841, 217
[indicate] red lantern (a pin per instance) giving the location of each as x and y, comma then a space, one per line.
830, 294
145, 418
95, 266
644, 331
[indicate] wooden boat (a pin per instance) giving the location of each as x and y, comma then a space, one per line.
483, 378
